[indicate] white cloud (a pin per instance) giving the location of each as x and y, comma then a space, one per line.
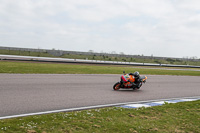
157, 27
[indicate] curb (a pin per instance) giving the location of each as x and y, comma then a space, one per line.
158, 103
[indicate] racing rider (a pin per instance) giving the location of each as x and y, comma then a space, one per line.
137, 76
126, 78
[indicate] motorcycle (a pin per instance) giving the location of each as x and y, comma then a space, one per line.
128, 81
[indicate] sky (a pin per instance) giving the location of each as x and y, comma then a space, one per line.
166, 28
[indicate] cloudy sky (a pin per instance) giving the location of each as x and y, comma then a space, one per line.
150, 27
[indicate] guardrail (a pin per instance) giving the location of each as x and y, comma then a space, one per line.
66, 60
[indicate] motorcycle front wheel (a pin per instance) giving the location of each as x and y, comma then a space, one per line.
117, 86
139, 85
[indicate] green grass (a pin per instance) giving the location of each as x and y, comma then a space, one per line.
180, 118
49, 68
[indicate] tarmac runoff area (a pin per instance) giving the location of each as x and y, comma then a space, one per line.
32, 94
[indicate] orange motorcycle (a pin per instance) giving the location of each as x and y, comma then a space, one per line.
129, 81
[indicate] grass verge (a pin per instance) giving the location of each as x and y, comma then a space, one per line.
179, 117
50, 68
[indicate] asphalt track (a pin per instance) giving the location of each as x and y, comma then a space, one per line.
31, 93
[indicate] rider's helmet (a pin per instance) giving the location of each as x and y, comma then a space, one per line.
136, 74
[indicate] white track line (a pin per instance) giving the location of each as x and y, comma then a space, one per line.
91, 107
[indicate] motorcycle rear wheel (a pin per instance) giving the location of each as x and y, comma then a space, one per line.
117, 86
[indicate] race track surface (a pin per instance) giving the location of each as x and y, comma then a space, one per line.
30, 93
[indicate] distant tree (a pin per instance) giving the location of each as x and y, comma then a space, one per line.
157, 61
124, 60
170, 60
194, 57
